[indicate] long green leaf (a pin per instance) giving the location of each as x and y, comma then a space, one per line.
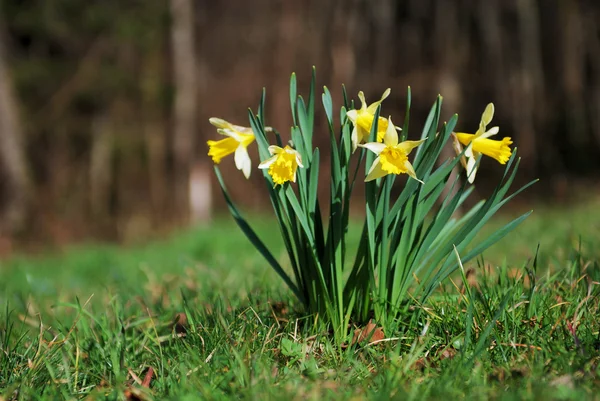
254, 239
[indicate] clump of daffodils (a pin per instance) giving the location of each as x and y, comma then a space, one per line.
409, 243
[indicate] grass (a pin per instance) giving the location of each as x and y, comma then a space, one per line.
212, 321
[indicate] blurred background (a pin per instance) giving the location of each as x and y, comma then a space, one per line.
104, 105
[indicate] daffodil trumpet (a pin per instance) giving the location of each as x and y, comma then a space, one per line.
282, 164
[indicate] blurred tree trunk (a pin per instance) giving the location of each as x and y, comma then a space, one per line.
592, 43
528, 88
184, 115
451, 47
573, 62
154, 131
15, 202
343, 50
101, 171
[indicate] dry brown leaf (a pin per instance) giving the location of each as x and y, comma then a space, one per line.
446, 353
180, 323
371, 332
140, 394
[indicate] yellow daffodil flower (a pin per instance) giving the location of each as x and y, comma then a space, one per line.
237, 141
283, 164
362, 119
480, 144
392, 157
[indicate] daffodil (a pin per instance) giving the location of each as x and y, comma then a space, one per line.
480, 144
237, 141
392, 157
362, 119
282, 164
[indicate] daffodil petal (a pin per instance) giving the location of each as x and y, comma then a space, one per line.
242, 160
363, 102
375, 171
411, 171
488, 114
373, 106
352, 115
391, 136
267, 163
244, 130
231, 133
274, 149
219, 122
408, 146
491, 132
354, 139
374, 147
469, 151
471, 169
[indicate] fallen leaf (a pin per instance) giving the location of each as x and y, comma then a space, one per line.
371, 332
180, 323
140, 394
446, 353
148, 377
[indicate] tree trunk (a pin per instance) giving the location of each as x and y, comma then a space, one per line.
15, 196
184, 79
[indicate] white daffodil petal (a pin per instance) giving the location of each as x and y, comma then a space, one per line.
274, 149
375, 147
243, 130
491, 132
386, 93
488, 114
267, 163
391, 136
471, 169
469, 151
375, 171
363, 102
242, 160
352, 115
219, 122
231, 133
354, 138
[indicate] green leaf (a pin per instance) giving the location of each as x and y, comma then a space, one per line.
254, 239
293, 95
404, 134
328, 106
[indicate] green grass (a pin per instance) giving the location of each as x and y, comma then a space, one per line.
77, 324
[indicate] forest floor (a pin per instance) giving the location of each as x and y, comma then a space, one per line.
201, 316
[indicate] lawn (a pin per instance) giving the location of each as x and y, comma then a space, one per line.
201, 316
